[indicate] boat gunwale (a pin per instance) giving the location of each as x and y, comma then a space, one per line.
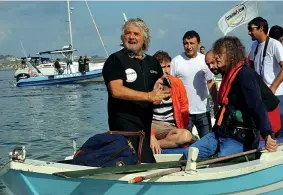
267, 160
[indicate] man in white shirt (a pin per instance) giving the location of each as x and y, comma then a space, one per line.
191, 68
266, 57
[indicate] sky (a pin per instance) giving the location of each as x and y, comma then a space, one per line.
42, 25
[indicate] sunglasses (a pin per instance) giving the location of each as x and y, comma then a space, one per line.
250, 28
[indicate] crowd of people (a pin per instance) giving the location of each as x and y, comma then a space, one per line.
166, 97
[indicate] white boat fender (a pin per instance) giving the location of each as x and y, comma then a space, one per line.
191, 167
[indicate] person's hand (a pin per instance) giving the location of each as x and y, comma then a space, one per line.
154, 145
157, 95
272, 89
159, 84
270, 144
157, 102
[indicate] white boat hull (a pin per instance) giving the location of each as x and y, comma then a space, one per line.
72, 78
254, 177
49, 70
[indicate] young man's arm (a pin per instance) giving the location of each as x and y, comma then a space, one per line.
154, 145
173, 68
213, 92
278, 80
184, 104
251, 56
278, 55
249, 62
211, 85
119, 91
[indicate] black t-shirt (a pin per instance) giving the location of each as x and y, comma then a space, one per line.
57, 64
140, 75
136, 74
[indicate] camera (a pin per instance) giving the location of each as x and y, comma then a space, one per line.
166, 82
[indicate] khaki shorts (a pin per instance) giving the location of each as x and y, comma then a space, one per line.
161, 128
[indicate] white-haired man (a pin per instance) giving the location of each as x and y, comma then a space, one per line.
133, 81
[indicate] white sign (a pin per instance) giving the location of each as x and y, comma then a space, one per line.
61, 76
131, 75
238, 15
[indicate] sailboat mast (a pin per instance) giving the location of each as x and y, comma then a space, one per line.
125, 17
96, 29
70, 27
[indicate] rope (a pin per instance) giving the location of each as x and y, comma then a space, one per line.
96, 28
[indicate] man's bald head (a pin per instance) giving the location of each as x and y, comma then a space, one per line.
209, 57
211, 62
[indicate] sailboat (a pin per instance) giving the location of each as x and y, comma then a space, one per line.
48, 69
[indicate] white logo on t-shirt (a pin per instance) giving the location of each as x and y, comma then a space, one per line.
131, 75
153, 72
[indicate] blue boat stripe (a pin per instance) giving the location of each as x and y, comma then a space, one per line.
260, 190
30, 186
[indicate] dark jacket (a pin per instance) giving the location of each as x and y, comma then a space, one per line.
250, 98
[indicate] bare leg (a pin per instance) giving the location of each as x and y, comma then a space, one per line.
175, 138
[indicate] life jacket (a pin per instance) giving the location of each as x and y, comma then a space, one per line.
227, 113
180, 103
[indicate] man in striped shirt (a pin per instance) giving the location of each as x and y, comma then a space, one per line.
170, 116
